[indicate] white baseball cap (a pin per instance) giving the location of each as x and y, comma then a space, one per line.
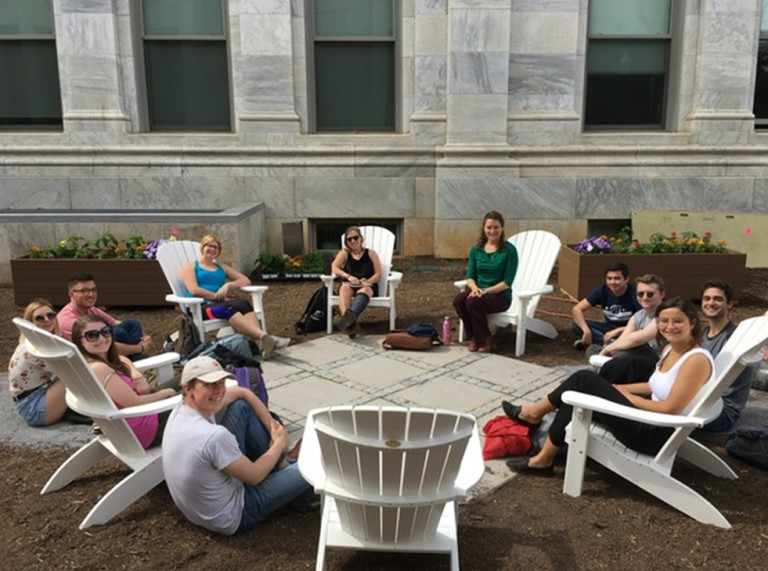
204, 369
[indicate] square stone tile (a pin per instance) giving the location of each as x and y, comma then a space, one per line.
378, 371
446, 392
302, 396
274, 370
321, 351
499, 370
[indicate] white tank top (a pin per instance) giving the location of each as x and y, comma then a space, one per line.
661, 382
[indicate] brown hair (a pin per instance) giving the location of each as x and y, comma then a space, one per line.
651, 279
691, 312
113, 357
208, 239
483, 239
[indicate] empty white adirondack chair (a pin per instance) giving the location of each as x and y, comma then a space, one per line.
381, 241
653, 473
173, 256
390, 477
86, 395
537, 251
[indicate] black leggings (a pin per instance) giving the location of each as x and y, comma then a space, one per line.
641, 437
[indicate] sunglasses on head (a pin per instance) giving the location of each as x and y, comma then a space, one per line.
648, 294
45, 317
352, 238
93, 334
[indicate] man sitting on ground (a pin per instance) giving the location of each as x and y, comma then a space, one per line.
227, 477
618, 300
128, 335
639, 335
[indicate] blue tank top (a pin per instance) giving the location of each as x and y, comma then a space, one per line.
211, 280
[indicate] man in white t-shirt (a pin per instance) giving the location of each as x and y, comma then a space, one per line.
227, 477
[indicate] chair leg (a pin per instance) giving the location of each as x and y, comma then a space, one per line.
130, 489
701, 456
461, 331
86, 457
321, 543
520, 336
577, 452
392, 313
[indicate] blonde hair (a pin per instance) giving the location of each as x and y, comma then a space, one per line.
208, 239
33, 306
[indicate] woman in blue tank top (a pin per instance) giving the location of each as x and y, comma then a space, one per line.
212, 281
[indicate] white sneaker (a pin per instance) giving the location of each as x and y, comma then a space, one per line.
281, 342
266, 347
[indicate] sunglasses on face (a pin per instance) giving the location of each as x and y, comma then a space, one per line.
93, 334
648, 294
353, 238
43, 317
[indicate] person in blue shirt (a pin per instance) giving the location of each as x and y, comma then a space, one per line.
618, 300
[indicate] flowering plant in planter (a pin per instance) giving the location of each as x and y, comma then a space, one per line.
624, 243
312, 263
104, 247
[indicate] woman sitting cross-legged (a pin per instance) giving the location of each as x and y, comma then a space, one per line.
123, 382
213, 281
680, 375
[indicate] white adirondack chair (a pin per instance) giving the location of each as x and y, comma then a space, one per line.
390, 477
653, 473
86, 395
173, 256
537, 251
381, 241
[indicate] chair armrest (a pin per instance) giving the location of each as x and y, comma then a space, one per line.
157, 361
597, 404
147, 409
529, 293
599, 360
327, 279
255, 289
461, 284
173, 298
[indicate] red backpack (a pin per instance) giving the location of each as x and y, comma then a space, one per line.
505, 437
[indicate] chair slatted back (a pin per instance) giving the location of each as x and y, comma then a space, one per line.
391, 470
84, 390
381, 241
173, 256
745, 346
537, 251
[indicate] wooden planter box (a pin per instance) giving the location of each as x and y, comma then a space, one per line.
578, 274
127, 283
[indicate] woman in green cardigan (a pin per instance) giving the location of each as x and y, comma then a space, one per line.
490, 272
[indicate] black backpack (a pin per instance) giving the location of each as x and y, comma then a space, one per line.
187, 338
314, 317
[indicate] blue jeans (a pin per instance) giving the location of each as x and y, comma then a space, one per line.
32, 407
280, 488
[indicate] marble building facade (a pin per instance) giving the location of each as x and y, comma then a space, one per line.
489, 115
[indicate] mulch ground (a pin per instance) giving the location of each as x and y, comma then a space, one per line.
528, 524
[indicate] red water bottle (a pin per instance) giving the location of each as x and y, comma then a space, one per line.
447, 330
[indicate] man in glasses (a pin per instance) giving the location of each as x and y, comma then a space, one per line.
639, 335
130, 339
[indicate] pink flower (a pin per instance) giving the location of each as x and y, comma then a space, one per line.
174, 232
707, 234
673, 235
748, 231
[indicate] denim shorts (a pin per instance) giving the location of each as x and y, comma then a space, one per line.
32, 407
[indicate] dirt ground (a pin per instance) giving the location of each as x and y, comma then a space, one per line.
529, 524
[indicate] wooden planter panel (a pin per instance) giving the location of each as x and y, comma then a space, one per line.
127, 283
683, 274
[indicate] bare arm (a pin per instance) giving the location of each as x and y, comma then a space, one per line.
120, 392
236, 279
633, 338
581, 321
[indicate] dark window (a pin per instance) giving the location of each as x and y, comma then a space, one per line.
761, 80
328, 232
627, 64
354, 65
30, 97
185, 55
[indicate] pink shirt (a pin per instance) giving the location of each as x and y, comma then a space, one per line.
144, 427
70, 313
